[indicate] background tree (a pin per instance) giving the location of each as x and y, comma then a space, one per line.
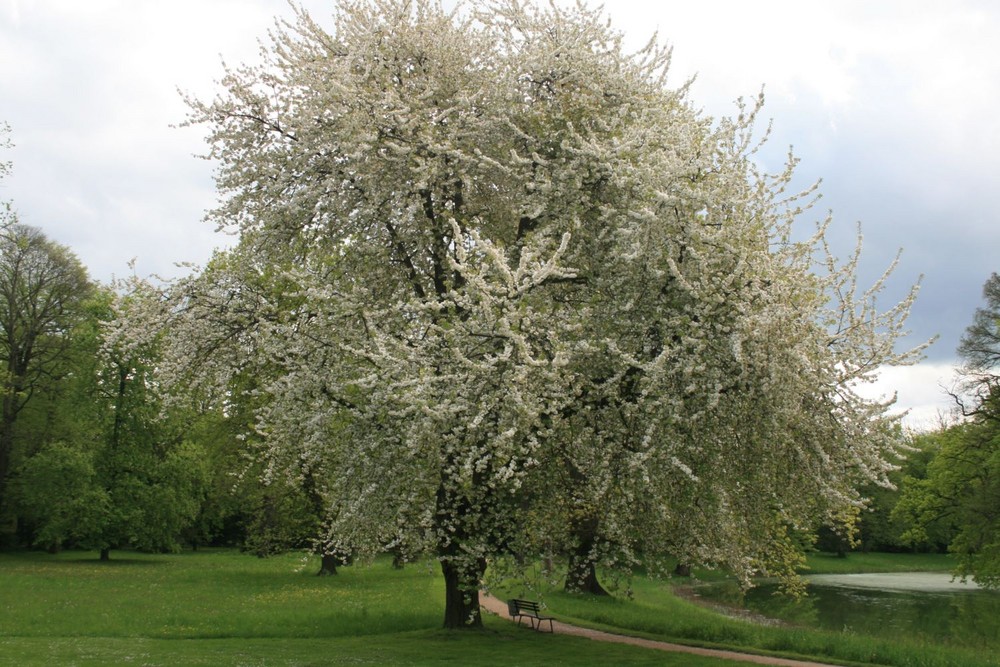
880, 526
59, 496
59, 433
254, 499
120, 476
551, 298
957, 504
980, 350
43, 288
153, 472
960, 497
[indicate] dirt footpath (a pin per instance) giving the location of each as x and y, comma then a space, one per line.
498, 607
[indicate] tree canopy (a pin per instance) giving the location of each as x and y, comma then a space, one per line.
504, 292
980, 350
86, 458
960, 495
42, 290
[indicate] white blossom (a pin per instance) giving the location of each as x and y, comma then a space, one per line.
497, 280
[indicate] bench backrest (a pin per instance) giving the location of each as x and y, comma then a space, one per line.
516, 607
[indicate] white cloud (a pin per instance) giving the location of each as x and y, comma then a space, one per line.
921, 390
90, 89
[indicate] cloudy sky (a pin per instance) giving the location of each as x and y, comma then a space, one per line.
893, 104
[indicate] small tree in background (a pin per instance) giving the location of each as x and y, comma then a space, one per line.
43, 289
959, 500
980, 350
122, 476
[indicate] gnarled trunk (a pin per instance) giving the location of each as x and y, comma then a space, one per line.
581, 571
463, 574
328, 565
461, 594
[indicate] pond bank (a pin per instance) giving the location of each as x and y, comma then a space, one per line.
896, 581
930, 607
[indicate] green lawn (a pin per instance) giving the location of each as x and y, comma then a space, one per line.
656, 611
224, 608
500, 647
855, 563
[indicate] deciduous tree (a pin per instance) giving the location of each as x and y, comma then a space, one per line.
43, 287
520, 295
960, 497
980, 350
124, 475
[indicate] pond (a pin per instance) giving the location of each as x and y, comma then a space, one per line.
927, 606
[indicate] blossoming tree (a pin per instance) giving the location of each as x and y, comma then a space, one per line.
510, 294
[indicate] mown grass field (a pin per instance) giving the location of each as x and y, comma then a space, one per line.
226, 608
856, 563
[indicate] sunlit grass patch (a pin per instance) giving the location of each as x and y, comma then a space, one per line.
209, 594
222, 608
857, 562
225, 608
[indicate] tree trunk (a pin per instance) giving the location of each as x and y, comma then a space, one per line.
328, 565
581, 570
106, 554
461, 594
682, 570
581, 574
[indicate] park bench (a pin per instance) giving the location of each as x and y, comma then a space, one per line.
528, 609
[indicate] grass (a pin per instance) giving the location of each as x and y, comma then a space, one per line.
224, 608
208, 595
656, 611
857, 563
495, 647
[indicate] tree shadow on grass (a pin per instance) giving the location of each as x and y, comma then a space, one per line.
117, 562
90, 558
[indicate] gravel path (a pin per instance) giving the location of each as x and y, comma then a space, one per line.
498, 607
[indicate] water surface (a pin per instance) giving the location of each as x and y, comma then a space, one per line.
928, 606
928, 582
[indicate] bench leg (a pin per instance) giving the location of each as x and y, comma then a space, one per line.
536, 623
